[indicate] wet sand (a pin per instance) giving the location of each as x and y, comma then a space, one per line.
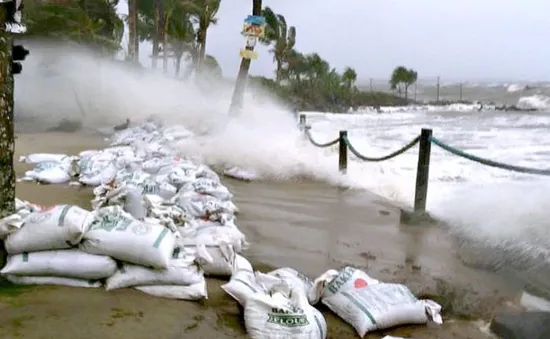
306, 225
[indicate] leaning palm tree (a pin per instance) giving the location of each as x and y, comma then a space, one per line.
282, 37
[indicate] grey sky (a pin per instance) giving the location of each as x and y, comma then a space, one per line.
456, 39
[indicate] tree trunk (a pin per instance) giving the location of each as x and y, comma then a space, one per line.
7, 143
165, 45
279, 64
202, 43
133, 40
163, 35
178, 58
242, 77
406, 92
156, 35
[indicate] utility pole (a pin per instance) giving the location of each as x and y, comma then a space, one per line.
437, 93
242, 77
370, 84
460, 91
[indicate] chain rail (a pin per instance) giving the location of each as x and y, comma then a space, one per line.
488, 162
327, 144
387, 157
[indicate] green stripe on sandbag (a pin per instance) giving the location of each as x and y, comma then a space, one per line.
161, 236
360, 306
319, 327
25, 257
64, 211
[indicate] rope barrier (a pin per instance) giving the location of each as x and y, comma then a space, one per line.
488, 162
387, 157
327, 144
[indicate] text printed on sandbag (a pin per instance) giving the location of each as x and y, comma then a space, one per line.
341, 279
116, 223
294, 318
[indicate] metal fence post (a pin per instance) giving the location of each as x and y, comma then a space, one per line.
343, 152
422, 171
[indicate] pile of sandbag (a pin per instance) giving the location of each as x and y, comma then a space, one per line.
67, 245
143, 190
280, 303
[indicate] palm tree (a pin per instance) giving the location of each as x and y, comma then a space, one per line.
133, 39
94, 23
206, 11
349, 77
283, 37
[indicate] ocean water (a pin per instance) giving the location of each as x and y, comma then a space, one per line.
497, 209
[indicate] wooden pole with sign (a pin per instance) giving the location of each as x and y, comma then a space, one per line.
242, 77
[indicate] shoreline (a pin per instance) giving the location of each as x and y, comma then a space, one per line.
309, 226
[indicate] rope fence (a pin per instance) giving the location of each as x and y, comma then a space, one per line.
424, 140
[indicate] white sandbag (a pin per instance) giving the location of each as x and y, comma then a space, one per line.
212, 234
59, 227
117, 234
294, 279
204, 171
283, 314
36, 158
242, 285
65, 263
23, 280
162, 189
222, 259
378, 306
190, 292
134, 178
209, 187
241, 174
182, 270
10, 224
51, 172
348, 277
200, 205
97, 168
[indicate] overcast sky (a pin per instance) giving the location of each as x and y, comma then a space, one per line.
456, 39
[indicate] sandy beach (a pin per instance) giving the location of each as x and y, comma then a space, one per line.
309, 226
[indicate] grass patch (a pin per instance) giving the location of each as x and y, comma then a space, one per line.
7, 289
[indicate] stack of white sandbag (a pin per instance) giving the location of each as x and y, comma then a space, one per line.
42, 249
185, 196
365, 303
67, 245
141, 173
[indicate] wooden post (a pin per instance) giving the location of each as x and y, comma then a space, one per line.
422, 171
343, 152
437, 91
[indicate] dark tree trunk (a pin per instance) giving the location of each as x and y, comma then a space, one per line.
133, 39
242, 77
156, 35
7, 143
202, 45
